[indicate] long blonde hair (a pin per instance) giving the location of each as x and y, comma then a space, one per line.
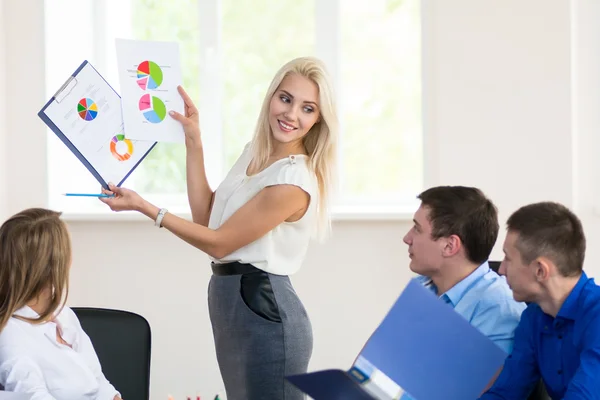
320, 142
35, 255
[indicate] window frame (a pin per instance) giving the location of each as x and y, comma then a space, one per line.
327, 47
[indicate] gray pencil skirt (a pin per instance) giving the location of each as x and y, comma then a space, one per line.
261, 330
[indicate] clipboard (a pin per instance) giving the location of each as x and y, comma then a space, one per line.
422, 349
85, 113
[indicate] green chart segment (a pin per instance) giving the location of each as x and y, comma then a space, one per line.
153, 108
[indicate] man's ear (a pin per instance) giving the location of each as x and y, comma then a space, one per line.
543, 268
452, 246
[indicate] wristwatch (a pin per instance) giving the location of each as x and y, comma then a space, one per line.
159, 217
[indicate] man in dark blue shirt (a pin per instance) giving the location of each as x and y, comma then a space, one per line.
558, 337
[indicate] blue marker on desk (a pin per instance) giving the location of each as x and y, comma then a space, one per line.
88, 195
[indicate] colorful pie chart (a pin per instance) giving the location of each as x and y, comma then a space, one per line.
149, 74
87, 109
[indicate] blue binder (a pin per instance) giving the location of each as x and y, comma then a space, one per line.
424, 346
64, 136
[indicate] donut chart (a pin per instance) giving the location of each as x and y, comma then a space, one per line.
117, 153
150, 75
87, 109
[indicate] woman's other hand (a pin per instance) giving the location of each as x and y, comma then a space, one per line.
122, 199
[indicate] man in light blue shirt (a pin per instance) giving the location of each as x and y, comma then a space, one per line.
454, 231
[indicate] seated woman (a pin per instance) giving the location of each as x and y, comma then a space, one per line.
43, 350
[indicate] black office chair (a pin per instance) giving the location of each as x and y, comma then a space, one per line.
122, 341
495, 266
539, 392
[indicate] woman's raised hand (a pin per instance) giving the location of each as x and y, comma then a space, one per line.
190, 121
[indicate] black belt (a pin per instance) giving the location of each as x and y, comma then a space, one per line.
233, 268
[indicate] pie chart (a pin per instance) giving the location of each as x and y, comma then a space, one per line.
153, 108
87, 109
149, 74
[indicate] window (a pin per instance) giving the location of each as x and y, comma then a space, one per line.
381, 97
230, 50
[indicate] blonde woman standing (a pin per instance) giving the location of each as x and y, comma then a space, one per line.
44, 352
256, 228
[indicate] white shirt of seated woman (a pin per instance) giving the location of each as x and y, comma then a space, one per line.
55, 360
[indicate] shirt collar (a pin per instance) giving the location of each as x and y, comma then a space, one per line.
456, 293
47, 328
68, 332
26, 312
570, 309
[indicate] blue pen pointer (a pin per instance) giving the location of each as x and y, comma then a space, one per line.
88, 195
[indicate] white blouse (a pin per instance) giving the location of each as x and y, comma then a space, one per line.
33, 361
282, 250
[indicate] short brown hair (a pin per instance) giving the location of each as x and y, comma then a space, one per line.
35, 254
466, 213
550, 230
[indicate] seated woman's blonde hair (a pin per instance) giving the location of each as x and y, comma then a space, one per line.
35, 256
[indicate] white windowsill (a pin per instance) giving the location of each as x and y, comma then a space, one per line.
346, 213
373, 213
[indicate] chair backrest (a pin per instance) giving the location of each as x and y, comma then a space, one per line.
494, 266
122, 341
539, 392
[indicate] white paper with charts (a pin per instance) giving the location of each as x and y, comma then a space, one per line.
86, 115
149, 73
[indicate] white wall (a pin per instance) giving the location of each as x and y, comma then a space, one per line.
498, 95
25, 135
498, 104
3, 182
586, 81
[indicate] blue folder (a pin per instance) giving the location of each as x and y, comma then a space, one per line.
64, 137
424, 346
